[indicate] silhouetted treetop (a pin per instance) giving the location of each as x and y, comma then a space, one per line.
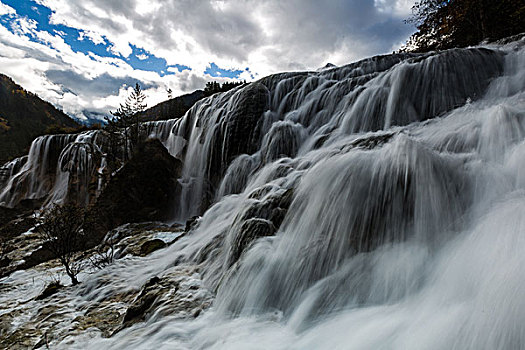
444, 24
213, 87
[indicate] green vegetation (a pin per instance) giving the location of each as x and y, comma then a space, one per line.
24, 116
445, 24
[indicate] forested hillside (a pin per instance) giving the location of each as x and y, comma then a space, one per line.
172, 108
24, 116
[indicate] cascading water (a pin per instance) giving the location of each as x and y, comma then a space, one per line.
36, 178
66, 167
382, 209
373, 206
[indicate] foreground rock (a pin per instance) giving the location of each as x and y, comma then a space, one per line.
105, 302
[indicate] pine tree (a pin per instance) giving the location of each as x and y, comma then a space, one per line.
135, 104
126, 119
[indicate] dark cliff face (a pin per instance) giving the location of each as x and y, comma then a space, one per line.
145, 189
238, 131
24, 116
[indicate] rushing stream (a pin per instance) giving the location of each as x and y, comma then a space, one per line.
379, 205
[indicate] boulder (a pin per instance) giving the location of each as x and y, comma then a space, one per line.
151, 246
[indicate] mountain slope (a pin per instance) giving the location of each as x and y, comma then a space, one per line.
173, 108
24, 116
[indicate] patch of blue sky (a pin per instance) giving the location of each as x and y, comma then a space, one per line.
143, 60
180, 67
41, 15
139, 59
215, 71
79, 42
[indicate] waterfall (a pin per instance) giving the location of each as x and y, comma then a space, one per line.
66, 167
293, 113
377, 205
381, 208
35, 179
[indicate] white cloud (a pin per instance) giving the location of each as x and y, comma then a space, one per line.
266, 36
399, 8
6, 10
93, 36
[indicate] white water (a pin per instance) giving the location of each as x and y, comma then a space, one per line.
61, 167
405, 228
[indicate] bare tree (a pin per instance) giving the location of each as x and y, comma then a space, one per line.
61, 229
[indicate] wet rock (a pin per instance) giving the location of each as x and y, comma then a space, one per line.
21, 251
191, 223
239, 128
262, 217
130, 238
271, 206
238, 133
249, 231
210, 250
105, 319
143, 303
18, 226
7, 214
371, 141
15, 221
50, 289
5, 261
151, 246
262, 191
137, 312
38, 256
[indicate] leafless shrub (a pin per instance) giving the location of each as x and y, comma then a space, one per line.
61, 229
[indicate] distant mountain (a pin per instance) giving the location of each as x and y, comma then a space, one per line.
24, 116
92, 118
173, 108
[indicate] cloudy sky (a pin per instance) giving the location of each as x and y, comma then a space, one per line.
83, 55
